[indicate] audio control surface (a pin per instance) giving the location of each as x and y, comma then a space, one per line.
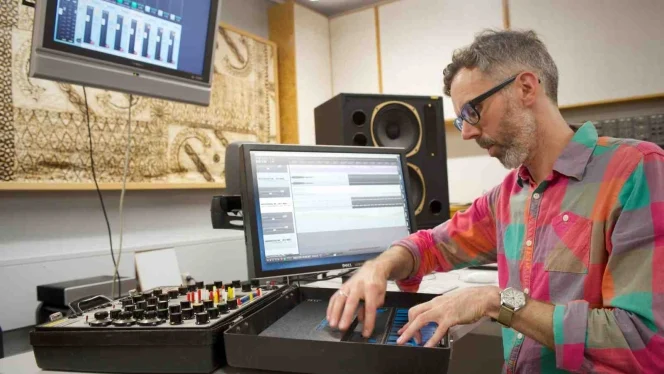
164, 330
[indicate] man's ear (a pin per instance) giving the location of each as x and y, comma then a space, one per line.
528, 84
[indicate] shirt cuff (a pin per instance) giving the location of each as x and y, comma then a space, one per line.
412, 282
570, 326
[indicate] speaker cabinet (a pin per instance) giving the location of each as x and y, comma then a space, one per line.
415, 123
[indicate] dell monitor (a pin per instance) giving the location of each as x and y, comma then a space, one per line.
156, 48
310, 209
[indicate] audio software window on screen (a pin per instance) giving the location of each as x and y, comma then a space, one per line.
323, 205
148, 31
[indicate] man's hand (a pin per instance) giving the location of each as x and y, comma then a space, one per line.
455, 308
368, 284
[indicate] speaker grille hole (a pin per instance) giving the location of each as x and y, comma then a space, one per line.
360, 139
359, 118
435, 207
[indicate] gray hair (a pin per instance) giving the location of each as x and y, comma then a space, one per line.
500, 54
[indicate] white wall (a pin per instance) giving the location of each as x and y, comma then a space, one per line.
354, 54
604, 49
313, 71
48, 237
418, 37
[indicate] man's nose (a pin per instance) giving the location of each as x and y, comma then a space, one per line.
469, 131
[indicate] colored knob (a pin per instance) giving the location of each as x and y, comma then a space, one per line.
213, 313
176, 318
202, 318
173, 294
101, 315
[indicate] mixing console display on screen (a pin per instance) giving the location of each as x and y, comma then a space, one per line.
166, 33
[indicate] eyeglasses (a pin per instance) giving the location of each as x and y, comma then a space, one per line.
469, 113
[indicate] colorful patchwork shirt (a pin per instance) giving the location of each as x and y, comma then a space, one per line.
589, 240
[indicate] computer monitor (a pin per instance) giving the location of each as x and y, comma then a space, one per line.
316, 208
156, 48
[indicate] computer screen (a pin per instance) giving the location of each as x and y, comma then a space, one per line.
314, 208
171, 39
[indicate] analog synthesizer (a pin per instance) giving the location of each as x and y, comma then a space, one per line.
163, 330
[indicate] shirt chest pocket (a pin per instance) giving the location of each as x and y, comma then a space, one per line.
571, 245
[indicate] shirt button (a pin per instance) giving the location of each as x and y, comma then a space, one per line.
526, 291
519, 336
536, 196
529, 242
565, 218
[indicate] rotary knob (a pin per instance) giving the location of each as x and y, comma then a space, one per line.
151, 307
213, 313
187, 313
141, 304
176, 319
162, 305
152, 300
209, 287
202, 318
125, 319
191, 288
127, 301
101, 319
137, 297
232, 304
185, 304
182, 290
237, 284
129, 308
138, 314
208, 304
151, 319
198, 308
246, 286
223, 308
163, 297
157, 291
200, 285
115, 313
173, 294
219, 284
175, 308
255, 283
162, 313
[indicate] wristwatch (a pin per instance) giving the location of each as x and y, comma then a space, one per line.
511, 300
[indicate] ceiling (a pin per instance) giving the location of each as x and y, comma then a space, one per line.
335, 7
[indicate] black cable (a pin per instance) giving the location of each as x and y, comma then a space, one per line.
101, 199
313, 277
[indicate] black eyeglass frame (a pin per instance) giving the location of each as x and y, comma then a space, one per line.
458, 122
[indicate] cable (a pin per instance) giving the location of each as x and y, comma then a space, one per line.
94, 178
313, 277
124, 188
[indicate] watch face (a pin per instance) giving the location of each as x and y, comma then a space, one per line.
513, 298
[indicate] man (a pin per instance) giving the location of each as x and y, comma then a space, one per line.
577, 229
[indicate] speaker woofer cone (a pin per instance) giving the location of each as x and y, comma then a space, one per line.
418, 188
397, 124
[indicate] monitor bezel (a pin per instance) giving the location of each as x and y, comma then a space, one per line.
48, 43
254, 263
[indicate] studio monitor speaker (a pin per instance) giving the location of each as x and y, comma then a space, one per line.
415, 123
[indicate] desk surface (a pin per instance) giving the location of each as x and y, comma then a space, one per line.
435, 283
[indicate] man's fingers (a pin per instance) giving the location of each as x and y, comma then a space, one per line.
437, 336
337, 308
349, 308
370, 315
414, 326
330, 305
360, 313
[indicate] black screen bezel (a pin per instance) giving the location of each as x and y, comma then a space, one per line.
48, 42
250, 216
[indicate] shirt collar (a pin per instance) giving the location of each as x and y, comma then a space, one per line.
573, 160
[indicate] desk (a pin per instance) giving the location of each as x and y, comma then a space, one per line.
25, 363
